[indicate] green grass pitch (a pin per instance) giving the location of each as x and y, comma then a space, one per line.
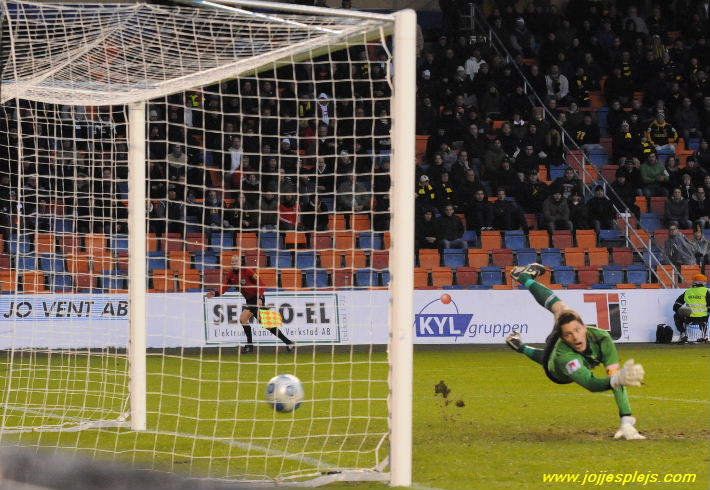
514, 426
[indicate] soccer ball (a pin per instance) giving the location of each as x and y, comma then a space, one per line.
285, 393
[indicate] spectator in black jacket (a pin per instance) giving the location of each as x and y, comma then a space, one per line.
426, 230
569, 183
445, 193
466, 190
450, 230
699, 208
676, 211
480, 213
624, 195
506, 215
533, 193
600, 211
587, 134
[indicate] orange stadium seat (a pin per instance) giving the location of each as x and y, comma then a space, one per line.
196, 242
539, 239
254, 258
421, 277
70, 242
598, 256
623, 256
344, 240
101, 261
179, 260
33, 282
355, 259
429, 257
478, 258
586, 238
331, 259
574, 256
8, 280
337, 222
246, 241
164, 280
78, 262
441, 276
360, 222
190, 278
291, 278
380, 259
491, 239
466, 276
268, 278
95, 243
562, 239
502, 257
322, 240
343, 278
296, 239
172, 242
45, 243
666, 275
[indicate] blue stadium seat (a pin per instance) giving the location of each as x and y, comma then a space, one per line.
551, 257
19, 244
454, 257
122, 186
599, 159
611, 238
491, 275
602, 113
282, 259
603, 286
306, 259
316, 278
113, 280
64, 226
26, 262
470, 237
206, 260
61, 282
367, 277
452, 287
371, 240
637, 274
651, 221
52, 263
525, 256
157, 262
613, 274
270, 240
119, 244
222, 241
557, 171
515, 239
386, 277
693, 144
659, 259
664, 154
564, 275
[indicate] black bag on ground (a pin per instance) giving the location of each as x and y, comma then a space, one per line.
664, 334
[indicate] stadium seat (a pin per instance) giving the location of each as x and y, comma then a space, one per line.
270, 240
551, 257
113, 280
295, 239
64, 226
19, 244
343, 278
360, 222
45, 243
85, 282
78, 262
598, 256
95, 243
454, 257
212, 279
588, 275
206, 260
642, 203
5, 262
611, 238
586, 238
291, 278
466, 276
626, 285
514, 239
609, 172
344, 240
281, 259
661, 237
119, 243
316, 278
156, 262
246, 241
491, 275
539, 239
221, 241
693, 144
26, 262
52, 263
574, 256
8, 281
491, 239
164, 280
658, 205
61, 283
179, 260
639, 239
688, 271
654, 257
386, 277
667, 276
172, 242
387, 239
70, 243
637, 274
602, 286
651, 221
337, 222
226, 257
623, 256
564, 275
502, 257
268, 277
442, 276
306, 259
355, 259
612, 274
152, 243
421, 277
470, 237
370, 241
562, 239
196, 242
331, 259
654, 285
189, 279
380, 259
367, 278
525, 256
33, 282
478, 258
429, 257
322, 240
255, 258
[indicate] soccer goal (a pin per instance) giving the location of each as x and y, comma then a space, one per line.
148, 153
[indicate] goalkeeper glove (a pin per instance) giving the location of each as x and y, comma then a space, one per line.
629, 375
627, 429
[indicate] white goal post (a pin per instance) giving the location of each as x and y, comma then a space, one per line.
111, 346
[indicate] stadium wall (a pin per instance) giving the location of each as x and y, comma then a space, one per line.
340, 317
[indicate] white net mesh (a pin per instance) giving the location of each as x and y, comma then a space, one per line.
268, 147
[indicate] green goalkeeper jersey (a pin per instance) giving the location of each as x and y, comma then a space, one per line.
568, 365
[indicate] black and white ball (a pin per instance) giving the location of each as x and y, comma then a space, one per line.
285, 393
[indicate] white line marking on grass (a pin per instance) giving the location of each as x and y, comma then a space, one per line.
417, 486
667, 399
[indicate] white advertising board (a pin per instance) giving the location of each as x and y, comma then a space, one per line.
324, 317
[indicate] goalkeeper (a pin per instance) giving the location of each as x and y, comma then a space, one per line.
573, 350
251, 287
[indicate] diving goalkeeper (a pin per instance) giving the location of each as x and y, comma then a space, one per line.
573, 350
248, 283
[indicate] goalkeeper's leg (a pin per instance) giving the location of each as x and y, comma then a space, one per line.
526, 275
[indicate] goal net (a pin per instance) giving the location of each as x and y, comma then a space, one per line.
162, 169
